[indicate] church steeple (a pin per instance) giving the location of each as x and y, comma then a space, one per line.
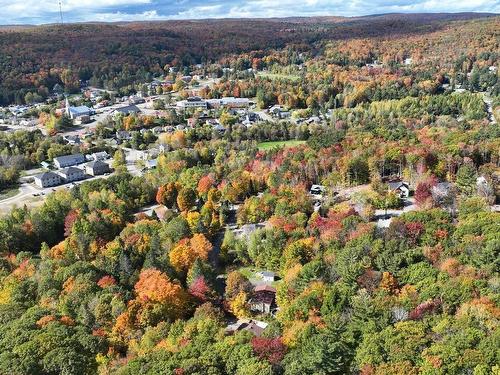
67, 106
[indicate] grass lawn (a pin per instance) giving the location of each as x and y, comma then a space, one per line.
9, 193
275, 76
270, 145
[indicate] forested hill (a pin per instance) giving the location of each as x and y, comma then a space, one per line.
34, 59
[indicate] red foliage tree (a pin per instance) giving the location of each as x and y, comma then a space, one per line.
200, 289
413, 231
69, 221
271, 349
423, 192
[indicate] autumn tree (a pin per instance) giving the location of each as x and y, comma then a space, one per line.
186, 199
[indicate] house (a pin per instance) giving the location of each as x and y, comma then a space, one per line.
246, 230
72, 139
96, 168
402, 189
103, 155
128, 110
151, 164
136, 99
317, 190
68, 160
263, 299
45, 164
164, 147
256, 327
267, 276
71, 174
123, 135
47, 179
220, 129
163, 213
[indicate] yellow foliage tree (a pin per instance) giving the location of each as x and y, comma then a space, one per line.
239, 306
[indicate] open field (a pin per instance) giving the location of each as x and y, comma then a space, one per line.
276, 76
279, 144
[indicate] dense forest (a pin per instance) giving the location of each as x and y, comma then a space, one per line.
116, 55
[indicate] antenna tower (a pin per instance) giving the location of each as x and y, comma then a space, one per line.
60, 12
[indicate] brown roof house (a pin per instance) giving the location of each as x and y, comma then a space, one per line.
263, 299
255, 327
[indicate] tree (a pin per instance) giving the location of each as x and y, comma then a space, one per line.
186, 199
183, 256
119, 161
167, 194
466, 179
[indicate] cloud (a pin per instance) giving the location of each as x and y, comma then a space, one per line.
43, 11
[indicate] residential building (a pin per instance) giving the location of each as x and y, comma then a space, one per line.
103, 155
123, 135
267, 276
68, 160
47, 179
402, 189
317, 190
72, 139
163, 213
96, 168
128, 110
263, 299
71, 174
255, 327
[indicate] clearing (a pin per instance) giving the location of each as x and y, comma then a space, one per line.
279, 144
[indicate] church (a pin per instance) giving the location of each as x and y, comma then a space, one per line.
81, 113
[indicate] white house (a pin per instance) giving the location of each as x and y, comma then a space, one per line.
267, 276
47, 179
71, 174
402, 189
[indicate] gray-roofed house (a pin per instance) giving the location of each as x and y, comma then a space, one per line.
47, 179
68, 160
402, 189
102, 155
267, 276
123, 135
96, 168
128, 110
71, 174
253, 326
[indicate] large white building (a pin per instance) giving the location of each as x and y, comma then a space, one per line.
75, 113
193, 102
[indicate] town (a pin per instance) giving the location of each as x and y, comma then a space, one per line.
312, 195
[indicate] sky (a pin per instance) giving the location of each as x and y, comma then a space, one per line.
47, 11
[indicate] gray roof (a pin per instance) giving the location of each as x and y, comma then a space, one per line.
70, 170
46, 175
267, 273
397, 185
79, 111
128, 109
96, 163
66, 158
